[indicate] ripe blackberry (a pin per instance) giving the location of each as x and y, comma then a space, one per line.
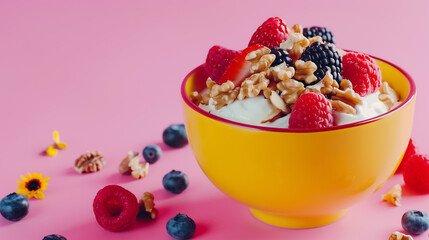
326, 35
326, 59
281, 57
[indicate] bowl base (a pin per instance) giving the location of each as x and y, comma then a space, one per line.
297, 221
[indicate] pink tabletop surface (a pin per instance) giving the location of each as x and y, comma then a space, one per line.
106, 74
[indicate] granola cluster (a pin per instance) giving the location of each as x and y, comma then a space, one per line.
283, 85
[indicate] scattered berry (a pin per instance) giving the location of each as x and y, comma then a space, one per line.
218, 59
326, 35
14, 206
115, 208
152, 153
411, 151
239, 68
54, 237
416, 173
270, 34
326, 59
175, 181
415, 222
281, 57
311, 110
363, 72
175, 136
181, 227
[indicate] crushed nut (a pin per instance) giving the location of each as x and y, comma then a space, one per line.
271, 87
222, 94
261, 60
205, 99
92, 161
394, 195
324, 86
315, 39
257, 54
348, 96
295, 45
148, 204
278, 102
138, 170
281, 72
340, 106
305, 71
124, 167
291, 90
297, 28
195, 98
344, 84
400, 236
388, 95
253, 85
272, 116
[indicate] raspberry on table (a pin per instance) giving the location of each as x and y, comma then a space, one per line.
181, 227
411, 151
217, 61
416, 173
281, 57
115, 208
415, 222
363, 72
326, 59
270, 34
311, 110
314, 31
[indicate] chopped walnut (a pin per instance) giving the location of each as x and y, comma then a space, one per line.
394, 195
138, 170
196, 98
261, 60
348, 96
271, 87
205, 99
222, 94
253, 85
344, 84
272, 116
305, 71
388, 95
148, 205
295, 45
324, 86
89, 162
257, 54
281, 72
124, 167
291, 90
315, 39
340, 106
400, 236
297, 28
278, 102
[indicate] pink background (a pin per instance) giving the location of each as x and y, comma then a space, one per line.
106, 74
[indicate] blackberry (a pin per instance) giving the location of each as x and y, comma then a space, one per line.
326, 59
326, 35
281, 57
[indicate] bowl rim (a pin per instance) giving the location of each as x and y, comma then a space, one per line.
409, 98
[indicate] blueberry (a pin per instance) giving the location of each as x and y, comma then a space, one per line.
175, 136
152, 153
181, 227
14, 206
415, 222
54, 237
175, 181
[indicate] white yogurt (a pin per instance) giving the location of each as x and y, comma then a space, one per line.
253, 110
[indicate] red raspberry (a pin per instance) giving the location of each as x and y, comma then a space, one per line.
218, 59
115, 208
410, 152
311, 110
416, 173
363, 72
270, 34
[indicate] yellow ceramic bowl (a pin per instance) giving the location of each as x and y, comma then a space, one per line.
300, 178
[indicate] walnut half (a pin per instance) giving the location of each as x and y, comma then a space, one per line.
92, 161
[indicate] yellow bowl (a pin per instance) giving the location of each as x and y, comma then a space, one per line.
300, 178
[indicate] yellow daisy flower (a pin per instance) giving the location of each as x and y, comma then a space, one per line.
33, 185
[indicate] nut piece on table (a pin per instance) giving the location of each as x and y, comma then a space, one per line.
89, 162
147, 205
400, 236
138, 170
394, 195
124, 167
